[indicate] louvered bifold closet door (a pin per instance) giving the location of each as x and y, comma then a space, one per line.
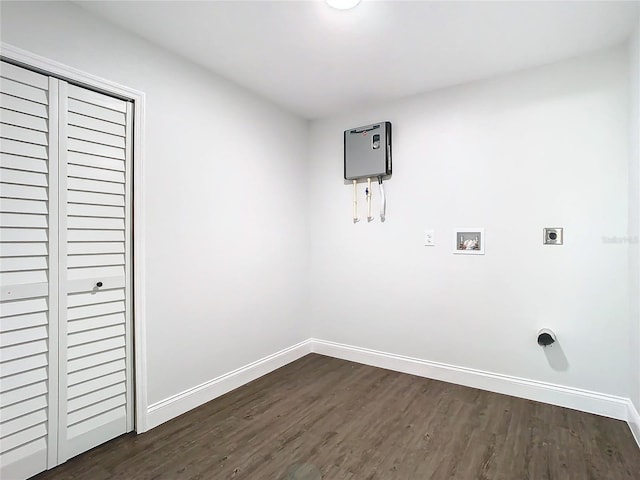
96, 342
28, 277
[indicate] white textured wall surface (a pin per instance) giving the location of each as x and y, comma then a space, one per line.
226, 236
542, 148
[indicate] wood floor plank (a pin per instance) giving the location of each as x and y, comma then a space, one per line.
324, 418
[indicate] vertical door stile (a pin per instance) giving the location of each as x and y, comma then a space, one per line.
54, 280
62, 272
128, 292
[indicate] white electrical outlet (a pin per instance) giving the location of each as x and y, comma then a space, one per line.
429, 238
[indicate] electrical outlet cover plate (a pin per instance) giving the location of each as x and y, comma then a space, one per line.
429, 238
553, 236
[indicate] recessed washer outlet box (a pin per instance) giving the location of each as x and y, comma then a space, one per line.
367, 151
553, 236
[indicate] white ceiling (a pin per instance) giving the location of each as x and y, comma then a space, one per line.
316, 61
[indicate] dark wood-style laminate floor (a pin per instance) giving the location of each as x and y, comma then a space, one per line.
320, 417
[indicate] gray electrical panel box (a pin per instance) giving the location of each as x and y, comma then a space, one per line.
367, 151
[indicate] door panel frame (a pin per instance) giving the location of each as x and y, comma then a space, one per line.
53, 426
72, 75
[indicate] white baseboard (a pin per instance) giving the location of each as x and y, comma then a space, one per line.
182, 402
584, 400
577, 399
634, 421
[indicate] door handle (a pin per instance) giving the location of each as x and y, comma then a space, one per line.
99, 284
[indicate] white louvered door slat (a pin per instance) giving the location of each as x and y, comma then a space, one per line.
65, 271
97, 400
28, 289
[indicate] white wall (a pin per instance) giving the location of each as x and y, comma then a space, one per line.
634, 214
545, 147
227, 245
